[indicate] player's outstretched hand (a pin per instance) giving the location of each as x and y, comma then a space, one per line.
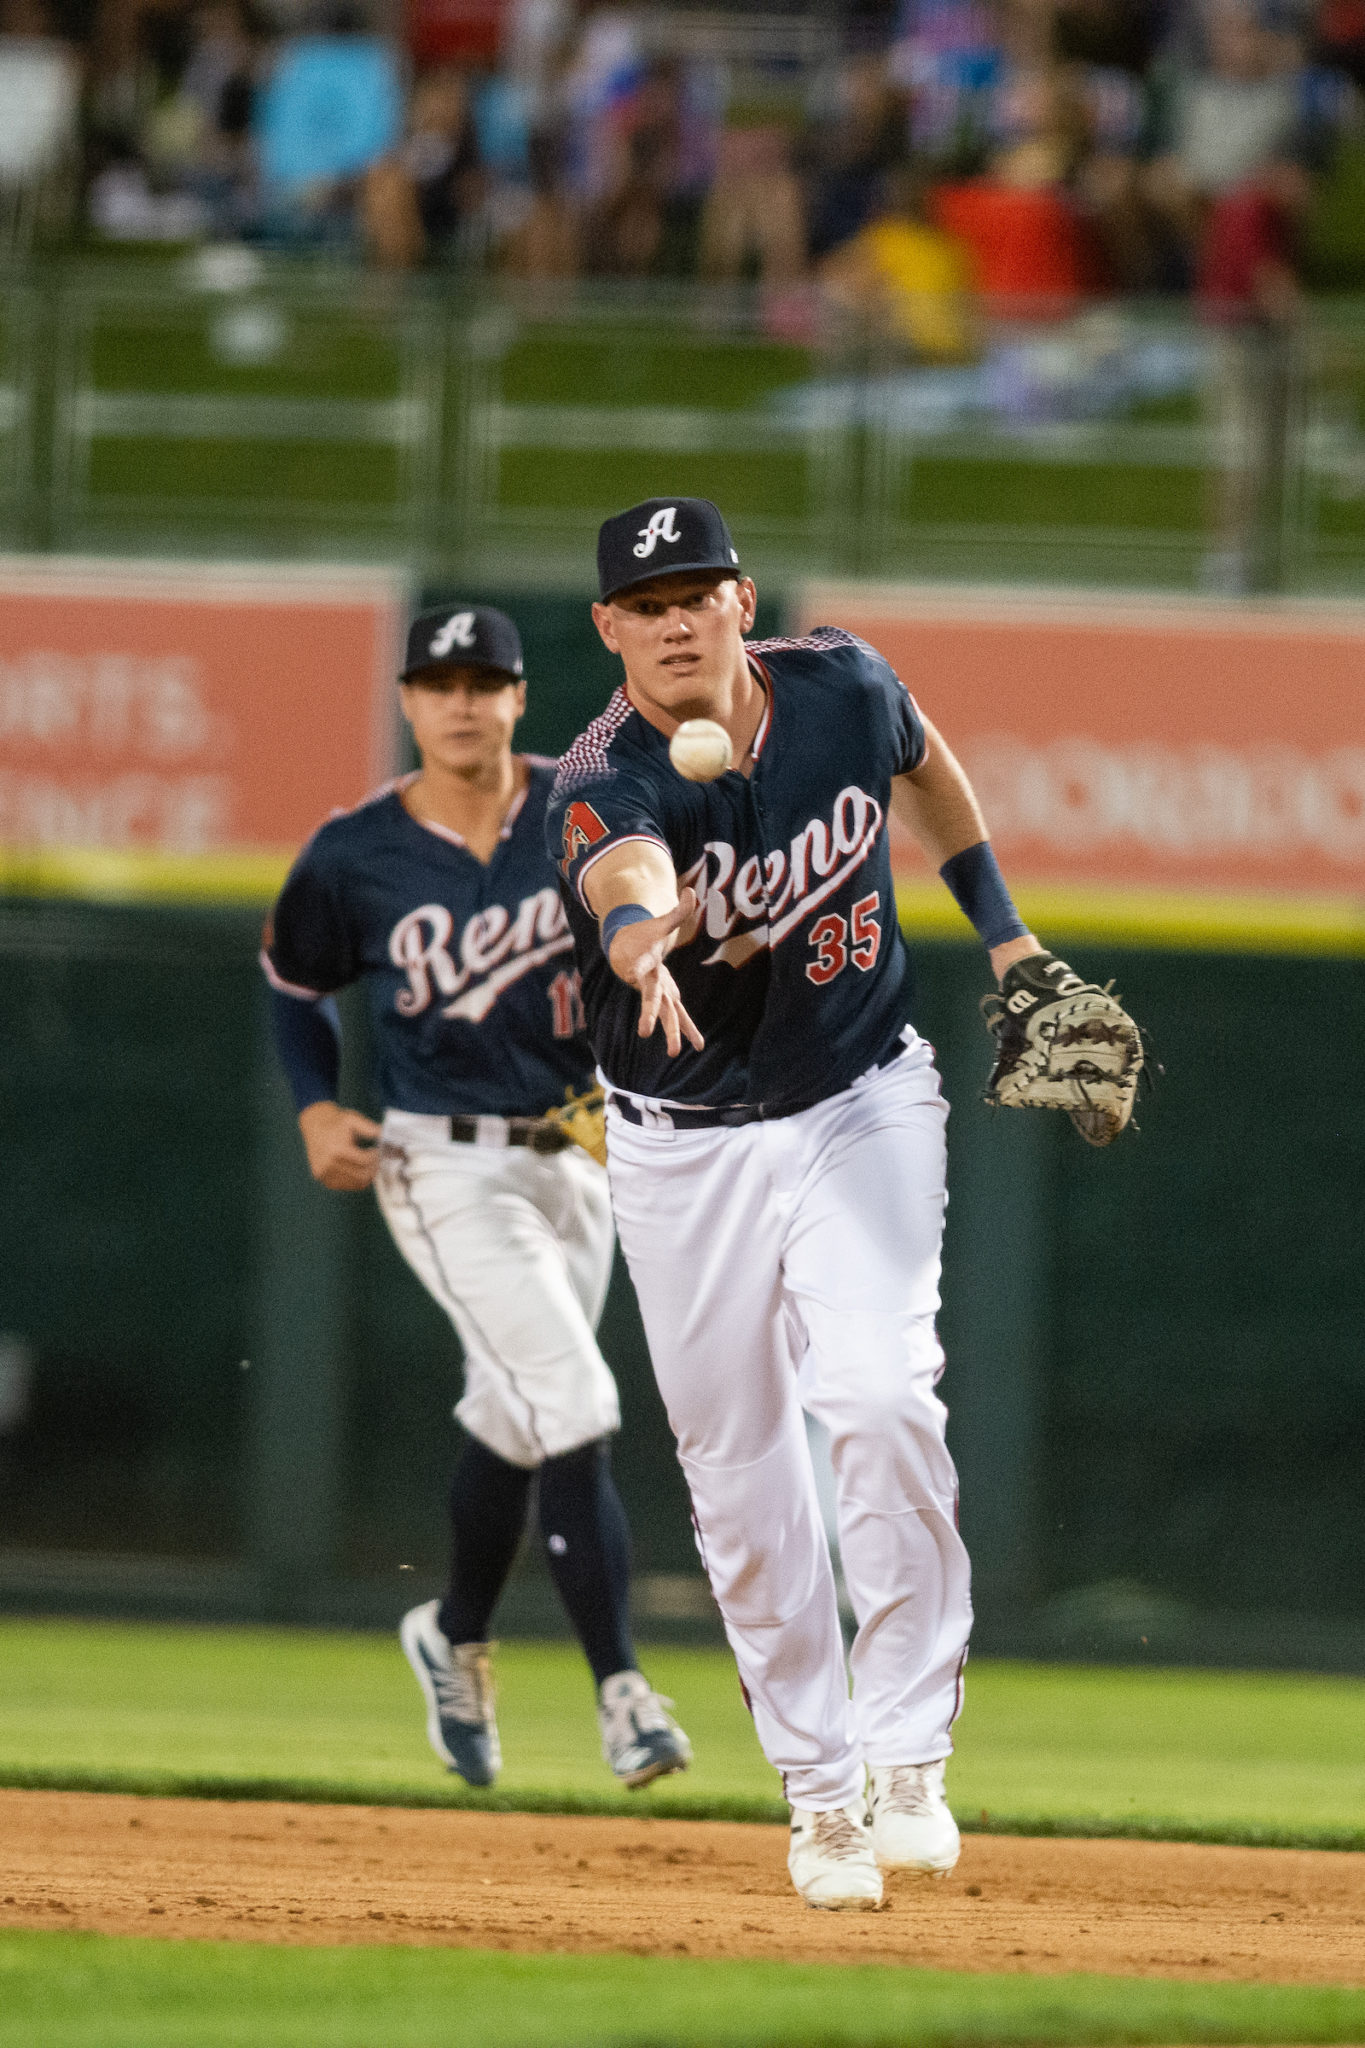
342, 1146
637, 955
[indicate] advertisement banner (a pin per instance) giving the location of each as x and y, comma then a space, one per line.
187, 721
1166, 751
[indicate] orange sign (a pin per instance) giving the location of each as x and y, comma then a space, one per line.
185, 710
1176, 745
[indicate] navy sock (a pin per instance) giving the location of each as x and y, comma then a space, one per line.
488, 1502
587, 1547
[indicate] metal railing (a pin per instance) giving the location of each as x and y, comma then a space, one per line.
196, 406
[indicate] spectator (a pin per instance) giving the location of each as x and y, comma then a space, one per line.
331, 108
947, 59
139, 136
904, 279
753, 221
536, 36
1033, 254
123, 84
197, 140
1339, 38
1248, 289
547, 243
625, 232
845, 158
1104, 47
416, 200
1228, 118
600, 73
39, 97
657, 164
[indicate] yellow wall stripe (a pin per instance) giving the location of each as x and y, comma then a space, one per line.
100, 875
1116, 917
1156, 917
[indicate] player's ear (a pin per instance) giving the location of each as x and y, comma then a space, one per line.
405, 701
602, 619
521, 697
748, 602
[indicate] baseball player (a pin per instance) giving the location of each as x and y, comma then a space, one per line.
436, 895
776, 1149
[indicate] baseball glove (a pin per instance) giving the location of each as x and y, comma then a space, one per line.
582, 1116
1063, 1043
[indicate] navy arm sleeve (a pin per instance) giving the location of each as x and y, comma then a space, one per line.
308, 1041
308, 953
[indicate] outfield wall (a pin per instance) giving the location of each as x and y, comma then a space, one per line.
236, 1401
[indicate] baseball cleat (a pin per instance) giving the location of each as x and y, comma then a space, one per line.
640, 1738
912, 1828
831, 1860
458, 1686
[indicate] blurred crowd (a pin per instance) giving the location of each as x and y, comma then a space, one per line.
909, 162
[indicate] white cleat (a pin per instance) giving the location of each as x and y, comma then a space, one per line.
831, 1860
640, 1739
458, 1688
912, 1828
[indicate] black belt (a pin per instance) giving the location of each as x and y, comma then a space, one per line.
684, 1118
533, 1132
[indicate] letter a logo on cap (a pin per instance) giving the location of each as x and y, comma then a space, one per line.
458, 631
662, 526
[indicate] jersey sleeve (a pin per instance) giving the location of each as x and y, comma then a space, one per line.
908, 742
587, 819
308, 949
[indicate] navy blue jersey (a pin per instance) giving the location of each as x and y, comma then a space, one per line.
795, 977
469, 971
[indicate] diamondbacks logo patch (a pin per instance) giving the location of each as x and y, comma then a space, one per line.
582, 829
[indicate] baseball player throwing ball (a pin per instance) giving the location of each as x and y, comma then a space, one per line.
776, 1142
437, 896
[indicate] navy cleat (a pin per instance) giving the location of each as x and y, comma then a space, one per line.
458, 1687
640, 1738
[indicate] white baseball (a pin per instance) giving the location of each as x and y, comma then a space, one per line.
700, 750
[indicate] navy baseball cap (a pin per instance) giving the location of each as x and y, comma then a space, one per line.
467, 635
658, 537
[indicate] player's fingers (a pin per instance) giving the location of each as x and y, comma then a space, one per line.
668, 1017
352, 1165
363, 1126
651, 995
690, 1030
677, 1023
342, 1178
683, 1026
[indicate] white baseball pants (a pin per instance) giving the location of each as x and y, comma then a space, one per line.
795, 1265
516, 1246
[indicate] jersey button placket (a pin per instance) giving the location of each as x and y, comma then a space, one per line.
764, 850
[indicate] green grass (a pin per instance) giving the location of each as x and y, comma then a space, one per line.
1039, 494
1041, 1749
90, 1991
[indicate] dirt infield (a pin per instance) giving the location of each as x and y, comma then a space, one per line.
315, 1874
